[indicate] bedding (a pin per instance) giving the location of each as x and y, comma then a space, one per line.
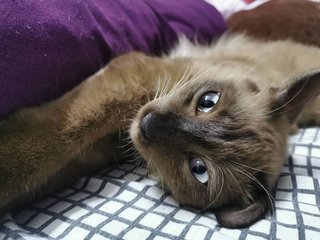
124, 202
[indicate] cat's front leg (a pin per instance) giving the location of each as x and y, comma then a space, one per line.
30, 150
36, 143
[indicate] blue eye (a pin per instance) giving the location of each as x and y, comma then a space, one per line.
199, 170
208, 101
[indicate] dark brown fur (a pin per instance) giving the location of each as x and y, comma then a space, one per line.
36, 143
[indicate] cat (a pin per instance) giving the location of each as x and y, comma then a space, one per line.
211, 122
216, 135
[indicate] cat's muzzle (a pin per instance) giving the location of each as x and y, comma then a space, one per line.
157, 128
149, 127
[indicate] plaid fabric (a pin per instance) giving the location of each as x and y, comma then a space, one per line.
126, 203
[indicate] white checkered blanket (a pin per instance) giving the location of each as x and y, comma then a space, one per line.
126, 203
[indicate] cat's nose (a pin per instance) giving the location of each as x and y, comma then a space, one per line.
160, 128
151, 126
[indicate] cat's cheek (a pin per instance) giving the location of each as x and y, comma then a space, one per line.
175, 175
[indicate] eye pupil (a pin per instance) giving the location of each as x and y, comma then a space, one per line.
208, 101
207, 104
199, 168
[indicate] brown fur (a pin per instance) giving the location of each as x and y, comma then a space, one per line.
242, 140
37, 143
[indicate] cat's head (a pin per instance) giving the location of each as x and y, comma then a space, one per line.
218, 143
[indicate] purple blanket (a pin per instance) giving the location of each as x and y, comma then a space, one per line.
48, 47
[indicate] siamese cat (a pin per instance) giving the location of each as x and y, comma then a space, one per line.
211, 122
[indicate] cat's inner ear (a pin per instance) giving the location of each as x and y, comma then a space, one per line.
237, 217
294, 98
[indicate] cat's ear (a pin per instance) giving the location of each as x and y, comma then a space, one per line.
294, 98
237, 217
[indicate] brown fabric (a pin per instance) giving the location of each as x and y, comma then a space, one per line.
280, 19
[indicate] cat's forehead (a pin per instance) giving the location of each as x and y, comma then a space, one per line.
236, 94
228, 71
232, 73
196, 85
205, 83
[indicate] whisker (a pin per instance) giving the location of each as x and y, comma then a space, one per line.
156, 95
185, 76
235, 180
146, 92
219, 193
165, 86
250, 176
252, 168
290, 100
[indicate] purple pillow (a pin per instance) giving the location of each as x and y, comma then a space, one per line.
48, 47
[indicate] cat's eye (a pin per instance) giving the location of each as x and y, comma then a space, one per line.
208, 101
199, 170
